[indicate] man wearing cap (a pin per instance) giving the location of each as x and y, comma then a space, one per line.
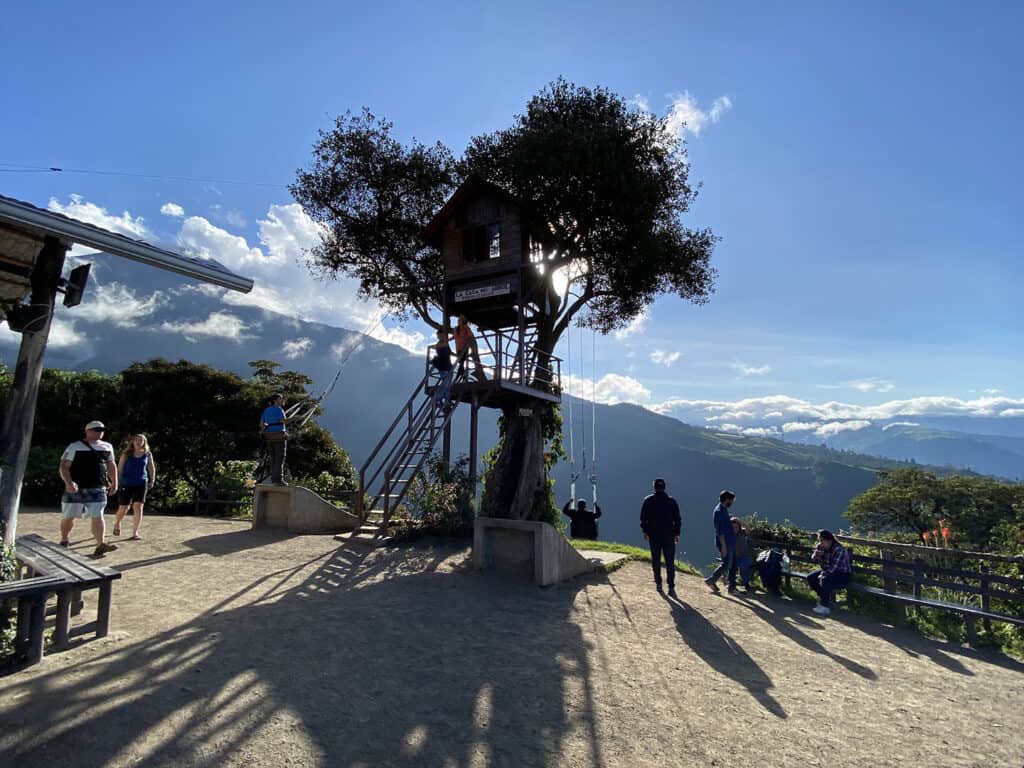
660, 521
89, 473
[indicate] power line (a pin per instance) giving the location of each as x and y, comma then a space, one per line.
20, 168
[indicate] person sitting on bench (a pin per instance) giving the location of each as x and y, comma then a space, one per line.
834, 572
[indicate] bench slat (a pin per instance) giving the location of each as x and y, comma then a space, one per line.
47, 557
930, 603
26, 587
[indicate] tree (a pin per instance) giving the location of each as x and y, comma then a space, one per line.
607, 184
912, 499
905, 498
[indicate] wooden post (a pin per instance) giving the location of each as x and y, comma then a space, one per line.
473, 447
60, 632
19, 418
889, 584
446, 443
103, 609
985, 604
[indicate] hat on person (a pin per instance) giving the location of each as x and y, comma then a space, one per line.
95, 425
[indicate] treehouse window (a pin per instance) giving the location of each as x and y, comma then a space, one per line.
481, 243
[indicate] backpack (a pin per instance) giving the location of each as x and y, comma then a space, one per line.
769, 566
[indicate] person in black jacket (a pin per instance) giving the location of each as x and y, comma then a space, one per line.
584, 521
660, 521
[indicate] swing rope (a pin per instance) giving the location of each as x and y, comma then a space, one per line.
593, 414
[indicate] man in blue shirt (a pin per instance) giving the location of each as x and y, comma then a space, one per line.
273, 422
725, 542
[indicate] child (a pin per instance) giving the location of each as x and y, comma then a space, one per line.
743, 561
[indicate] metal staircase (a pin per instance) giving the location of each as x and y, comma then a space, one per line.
389, 472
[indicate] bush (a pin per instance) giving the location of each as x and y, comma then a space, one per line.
8, 608
441, 501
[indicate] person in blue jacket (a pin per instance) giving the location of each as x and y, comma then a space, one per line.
725, 542
273, 423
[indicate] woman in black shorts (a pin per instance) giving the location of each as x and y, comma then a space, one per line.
137, 473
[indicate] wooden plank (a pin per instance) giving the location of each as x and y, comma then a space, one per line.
47, 552
32, 586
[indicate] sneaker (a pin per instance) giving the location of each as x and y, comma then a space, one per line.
821, 610
672, 593
711, 583
117, 530
732, 590
103, 548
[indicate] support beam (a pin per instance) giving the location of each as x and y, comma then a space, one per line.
19, 417
473, 420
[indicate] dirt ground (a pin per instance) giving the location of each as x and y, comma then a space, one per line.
231, 647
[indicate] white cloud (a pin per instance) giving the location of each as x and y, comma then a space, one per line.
198, 237
90, 213
792, 414
610, 389
835, 427
222, 325
296, 348
685, 114
173, 210
661, 357
992, 392
905, 424
749, 431
871, 385
63, 334
117, 304
636, 325
751, 370
283, 282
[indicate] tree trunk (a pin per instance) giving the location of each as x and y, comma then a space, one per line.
517, 475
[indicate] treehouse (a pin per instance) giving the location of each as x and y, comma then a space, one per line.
496, 275
492, 270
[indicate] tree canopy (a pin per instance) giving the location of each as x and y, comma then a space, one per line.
912, 499
606, 181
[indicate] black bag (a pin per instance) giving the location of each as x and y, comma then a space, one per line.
769, 566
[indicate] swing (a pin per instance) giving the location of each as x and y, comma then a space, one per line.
573, 474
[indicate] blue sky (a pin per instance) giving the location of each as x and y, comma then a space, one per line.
863, 172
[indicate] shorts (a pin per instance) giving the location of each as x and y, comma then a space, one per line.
85, 502
131, 494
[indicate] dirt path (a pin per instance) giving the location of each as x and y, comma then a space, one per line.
238, 648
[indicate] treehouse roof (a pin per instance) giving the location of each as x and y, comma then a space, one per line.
471, 189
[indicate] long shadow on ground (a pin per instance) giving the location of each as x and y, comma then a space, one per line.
380, 661
723, 654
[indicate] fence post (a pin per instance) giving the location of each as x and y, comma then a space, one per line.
889, 584
984, 599
789, 556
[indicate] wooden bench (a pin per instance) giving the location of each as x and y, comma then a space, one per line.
919, 575
30, 595
78, 574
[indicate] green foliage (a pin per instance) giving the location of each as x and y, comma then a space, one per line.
777, 533
8, 609
609, 183
441, 499
979, 511
328, 485
202, 424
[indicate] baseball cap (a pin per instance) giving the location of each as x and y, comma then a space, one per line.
95, 425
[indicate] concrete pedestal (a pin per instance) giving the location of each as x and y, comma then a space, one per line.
527, 549
299, 510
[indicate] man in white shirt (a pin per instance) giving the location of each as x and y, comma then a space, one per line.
89, 473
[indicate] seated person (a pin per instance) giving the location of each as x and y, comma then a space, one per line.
584, 521
742, 561
835, 570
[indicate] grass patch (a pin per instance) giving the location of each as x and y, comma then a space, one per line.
634, 553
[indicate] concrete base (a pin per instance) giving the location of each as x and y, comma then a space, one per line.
299, 510
526, 549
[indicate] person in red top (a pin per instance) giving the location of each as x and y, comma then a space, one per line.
465, 346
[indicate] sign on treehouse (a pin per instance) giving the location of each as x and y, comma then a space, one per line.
483, 290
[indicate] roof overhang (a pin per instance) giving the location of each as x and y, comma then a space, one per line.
42, 224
